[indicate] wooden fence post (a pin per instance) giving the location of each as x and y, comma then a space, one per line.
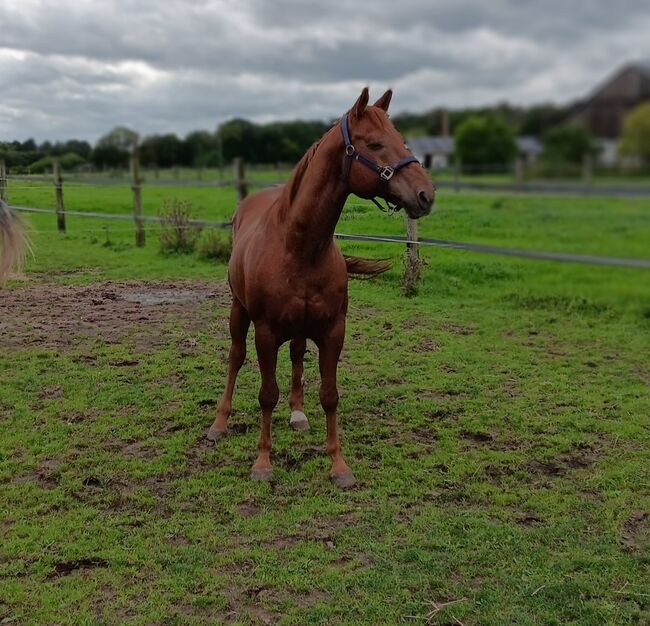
587, 172
458, 166
137, 199
58, 190
240, 178
519, 172
413, 263
3, 181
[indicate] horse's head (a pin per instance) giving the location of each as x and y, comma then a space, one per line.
377, 163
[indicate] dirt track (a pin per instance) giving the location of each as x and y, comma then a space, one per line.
50, 315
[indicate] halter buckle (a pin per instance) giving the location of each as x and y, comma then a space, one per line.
349, 149
386, 172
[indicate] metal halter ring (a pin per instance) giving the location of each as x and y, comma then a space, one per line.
386, 172
349, 149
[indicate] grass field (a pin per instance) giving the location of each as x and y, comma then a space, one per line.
498, 423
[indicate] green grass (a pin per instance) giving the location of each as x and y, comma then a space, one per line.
498, 423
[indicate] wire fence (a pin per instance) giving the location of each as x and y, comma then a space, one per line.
391, 239
241, 183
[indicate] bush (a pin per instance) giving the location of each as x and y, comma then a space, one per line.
635, 140
485, 141
567, 145
177, 235
69, 161
214, 244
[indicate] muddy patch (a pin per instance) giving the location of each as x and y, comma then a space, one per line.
246, 604
65, 568
478, 436
459, 329
582, 457
296, 458
65, 316
635, 529
249, 509
427, 344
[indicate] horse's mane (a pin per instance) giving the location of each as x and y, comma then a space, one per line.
299, 171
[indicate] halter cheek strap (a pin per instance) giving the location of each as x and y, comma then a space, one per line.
385, 172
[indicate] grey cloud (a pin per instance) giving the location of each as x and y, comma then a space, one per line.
181, 65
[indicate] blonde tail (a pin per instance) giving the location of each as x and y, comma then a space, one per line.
14, 242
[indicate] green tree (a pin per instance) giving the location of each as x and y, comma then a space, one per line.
568, 144
120, 137
162, 151
635, 140
239, 138
110, 157
485, 141
198, 147
115, 148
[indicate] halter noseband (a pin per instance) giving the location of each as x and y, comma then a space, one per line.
386, 172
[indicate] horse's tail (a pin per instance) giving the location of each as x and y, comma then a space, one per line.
365, 267
14, 242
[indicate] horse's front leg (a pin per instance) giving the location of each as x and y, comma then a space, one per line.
298, 419
267, 345
329, 348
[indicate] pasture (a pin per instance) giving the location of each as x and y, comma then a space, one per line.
498, 424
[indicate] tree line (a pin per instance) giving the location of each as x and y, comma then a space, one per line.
256, 143
483, 136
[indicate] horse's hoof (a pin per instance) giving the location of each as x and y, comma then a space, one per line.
345, 480
298, 421
264, 475
214, 435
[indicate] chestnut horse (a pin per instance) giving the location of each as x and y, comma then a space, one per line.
289, 277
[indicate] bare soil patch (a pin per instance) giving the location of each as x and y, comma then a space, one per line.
634, 529
62, 316
64, 568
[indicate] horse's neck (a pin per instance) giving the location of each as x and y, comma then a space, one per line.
313, 212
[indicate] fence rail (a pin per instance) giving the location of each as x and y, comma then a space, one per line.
551, 188
398, 239
241, 184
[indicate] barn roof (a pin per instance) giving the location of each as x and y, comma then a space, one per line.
431, 145
445, 145
528, 144
613, 83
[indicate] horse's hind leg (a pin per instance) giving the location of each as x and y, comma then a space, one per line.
239, 323
296, 399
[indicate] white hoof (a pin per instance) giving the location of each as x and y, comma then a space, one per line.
298, 421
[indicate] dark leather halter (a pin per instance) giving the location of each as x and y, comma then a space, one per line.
385, 172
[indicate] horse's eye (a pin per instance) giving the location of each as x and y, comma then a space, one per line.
375, 146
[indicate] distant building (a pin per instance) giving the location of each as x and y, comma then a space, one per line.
432, 152
604, 111
436, 152
529, 148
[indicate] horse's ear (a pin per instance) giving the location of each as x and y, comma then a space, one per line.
361, 103
384, 101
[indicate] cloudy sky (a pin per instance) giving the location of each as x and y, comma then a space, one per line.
77, 68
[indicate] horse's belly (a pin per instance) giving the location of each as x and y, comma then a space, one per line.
295, 316
323, 308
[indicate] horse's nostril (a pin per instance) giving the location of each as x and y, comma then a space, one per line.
424, 200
